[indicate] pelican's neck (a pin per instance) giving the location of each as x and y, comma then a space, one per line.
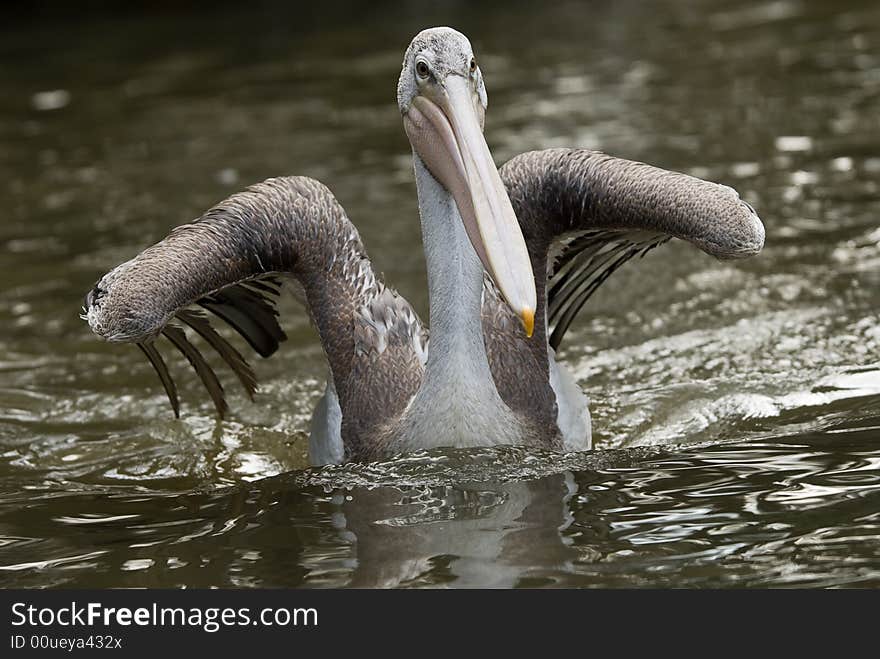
457, 362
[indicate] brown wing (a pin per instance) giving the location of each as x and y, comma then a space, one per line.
584, 214
232, 262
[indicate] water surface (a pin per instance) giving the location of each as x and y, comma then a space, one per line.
736, 406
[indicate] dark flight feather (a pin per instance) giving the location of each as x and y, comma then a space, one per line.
158, 363
251, 313
583, 267
199, 322
178, 337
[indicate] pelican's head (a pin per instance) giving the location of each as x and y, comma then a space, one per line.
443, 101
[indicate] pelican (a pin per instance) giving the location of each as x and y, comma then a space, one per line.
511, 255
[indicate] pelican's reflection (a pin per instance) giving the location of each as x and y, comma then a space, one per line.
480, 535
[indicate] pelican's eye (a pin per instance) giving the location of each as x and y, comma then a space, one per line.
422, 69
473, 65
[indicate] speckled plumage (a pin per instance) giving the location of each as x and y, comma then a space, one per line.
291, 227
582, 214
374, 341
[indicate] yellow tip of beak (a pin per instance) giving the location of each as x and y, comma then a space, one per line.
528, 321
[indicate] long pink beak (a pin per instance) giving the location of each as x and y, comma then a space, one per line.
446, 132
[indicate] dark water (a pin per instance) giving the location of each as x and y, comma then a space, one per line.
736, 405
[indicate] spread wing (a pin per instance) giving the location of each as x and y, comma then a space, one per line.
231, 263
584, 214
